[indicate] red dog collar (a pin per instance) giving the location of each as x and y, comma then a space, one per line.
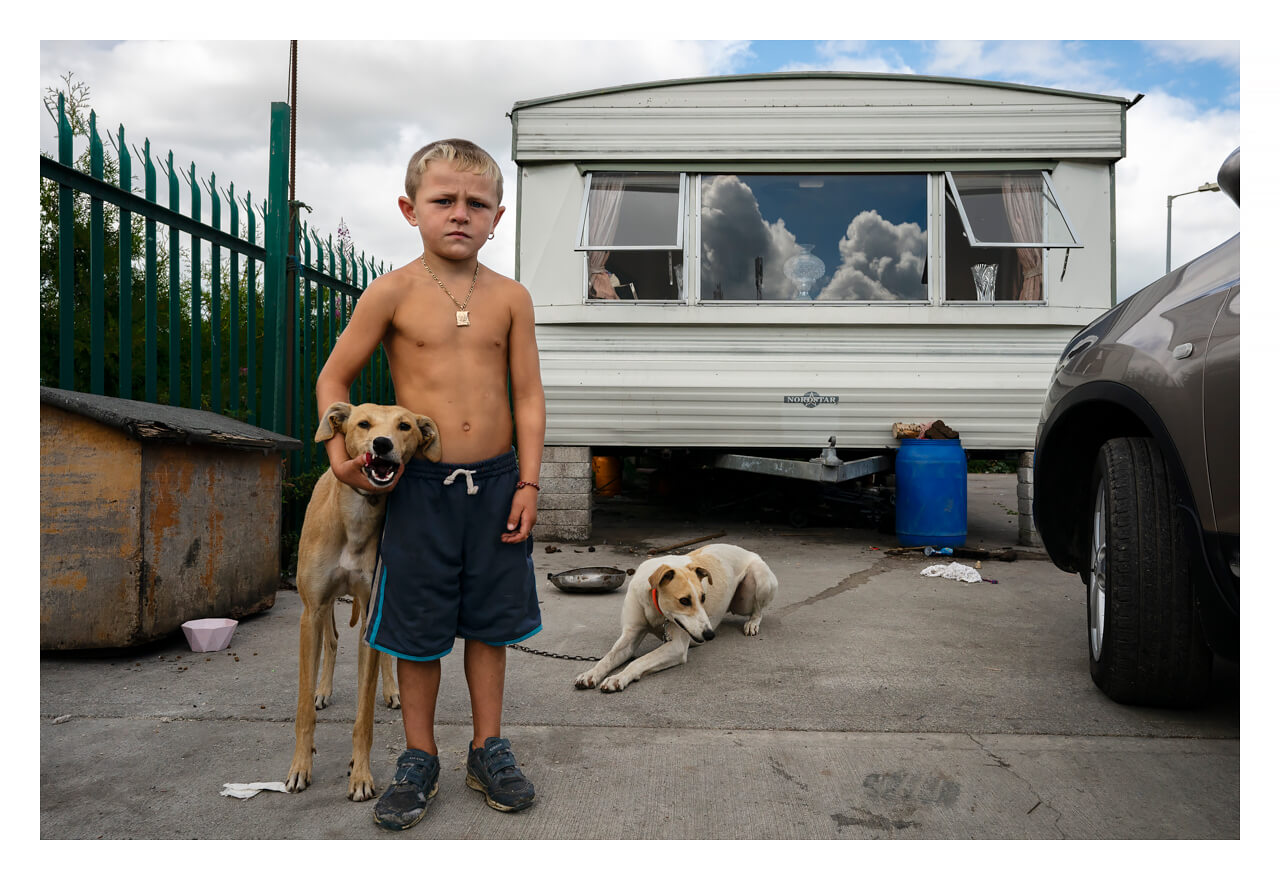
654, 595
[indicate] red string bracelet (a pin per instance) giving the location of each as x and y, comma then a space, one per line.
520, 485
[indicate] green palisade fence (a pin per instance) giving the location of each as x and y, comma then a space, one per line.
200, 312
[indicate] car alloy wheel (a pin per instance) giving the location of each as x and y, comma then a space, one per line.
1098, 573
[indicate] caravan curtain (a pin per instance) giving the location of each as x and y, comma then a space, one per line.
602, 215
1022, 203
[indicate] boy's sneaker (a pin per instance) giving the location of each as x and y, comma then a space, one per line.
405, 801
493, 770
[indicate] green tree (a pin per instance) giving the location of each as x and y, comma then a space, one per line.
78, 111
76, 99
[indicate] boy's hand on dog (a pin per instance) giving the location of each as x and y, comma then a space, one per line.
351, 472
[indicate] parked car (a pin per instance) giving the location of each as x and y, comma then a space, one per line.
1137, 477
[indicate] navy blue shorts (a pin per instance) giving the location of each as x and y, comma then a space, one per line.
443, 573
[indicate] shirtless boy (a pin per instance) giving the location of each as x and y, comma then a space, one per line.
455, 559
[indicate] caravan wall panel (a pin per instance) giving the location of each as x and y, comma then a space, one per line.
819, 118
744, 386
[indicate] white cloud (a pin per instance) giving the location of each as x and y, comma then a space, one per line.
1173, 148
1049, 64
1224, 52
362, 109
861, 56
736, 238
879, 261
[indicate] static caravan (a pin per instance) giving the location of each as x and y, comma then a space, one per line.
753, 263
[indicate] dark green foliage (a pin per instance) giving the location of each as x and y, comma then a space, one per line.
235, 404
992, 466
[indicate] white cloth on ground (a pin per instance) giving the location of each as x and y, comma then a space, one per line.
249, 789
956, 571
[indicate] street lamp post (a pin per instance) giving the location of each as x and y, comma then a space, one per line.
1168, 229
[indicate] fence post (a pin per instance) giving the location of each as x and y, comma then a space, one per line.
197, 300
309, 368
293, 367
252, 381
66, 256
97, 268
215, 294
175, 297
150, 310
276, 334
125, 263
234, 323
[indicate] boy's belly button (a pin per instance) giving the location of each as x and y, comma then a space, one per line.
466, 426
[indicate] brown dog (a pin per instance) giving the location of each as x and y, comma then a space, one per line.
336, 554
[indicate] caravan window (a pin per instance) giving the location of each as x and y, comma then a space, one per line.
632, 230
998, 226
835, 237
813, 237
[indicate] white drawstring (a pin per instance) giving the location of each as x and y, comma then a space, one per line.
472, 488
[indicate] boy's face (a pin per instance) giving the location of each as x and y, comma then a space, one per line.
455, 211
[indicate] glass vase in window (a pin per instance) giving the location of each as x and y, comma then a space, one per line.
984, 281
803, 270
1001, 224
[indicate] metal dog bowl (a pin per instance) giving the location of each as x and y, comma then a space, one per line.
588, 580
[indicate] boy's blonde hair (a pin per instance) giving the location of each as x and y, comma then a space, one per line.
463, 154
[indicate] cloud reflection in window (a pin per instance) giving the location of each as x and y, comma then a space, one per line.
879, 261
874, 258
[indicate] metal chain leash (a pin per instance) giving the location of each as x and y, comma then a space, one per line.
665, 638
556, 656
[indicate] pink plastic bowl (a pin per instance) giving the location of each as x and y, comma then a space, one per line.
209, 633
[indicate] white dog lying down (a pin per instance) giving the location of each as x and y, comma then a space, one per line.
693, 592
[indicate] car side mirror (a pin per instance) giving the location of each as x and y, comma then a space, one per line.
1229, 176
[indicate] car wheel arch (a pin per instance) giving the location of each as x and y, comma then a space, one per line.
1086, 418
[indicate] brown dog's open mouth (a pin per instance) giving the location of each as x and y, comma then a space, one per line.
380, 471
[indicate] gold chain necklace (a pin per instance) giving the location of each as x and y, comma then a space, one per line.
464, 316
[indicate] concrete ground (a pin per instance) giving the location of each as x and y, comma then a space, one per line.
874, 703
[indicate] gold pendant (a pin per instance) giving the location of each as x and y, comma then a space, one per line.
464, 319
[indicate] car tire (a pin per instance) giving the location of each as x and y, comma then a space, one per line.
1145, 642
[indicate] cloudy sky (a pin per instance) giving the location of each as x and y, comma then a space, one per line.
363, 107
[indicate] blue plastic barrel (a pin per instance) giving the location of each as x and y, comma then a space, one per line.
932, 504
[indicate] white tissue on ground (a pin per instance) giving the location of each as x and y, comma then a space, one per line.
249, 789
956, 571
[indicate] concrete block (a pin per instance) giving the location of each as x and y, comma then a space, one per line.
564, 504
553, 469
1027, 534
562, 525
568, 533
558, 454
566, 486
564, 517
562, 501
